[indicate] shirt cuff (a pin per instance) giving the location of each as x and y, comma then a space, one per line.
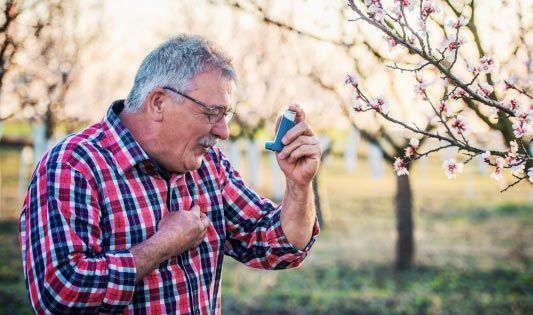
121, 281
276, 235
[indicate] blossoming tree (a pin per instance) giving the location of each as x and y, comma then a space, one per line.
367, 56
471, 92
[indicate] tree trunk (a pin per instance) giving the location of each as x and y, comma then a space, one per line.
318, 207
405, 247
319, 213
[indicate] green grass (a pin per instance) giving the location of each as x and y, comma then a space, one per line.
13, 296
473, 244
376, 289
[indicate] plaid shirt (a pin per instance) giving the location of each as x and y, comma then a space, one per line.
97, 193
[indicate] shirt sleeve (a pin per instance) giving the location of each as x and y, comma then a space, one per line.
253, 226
65, 267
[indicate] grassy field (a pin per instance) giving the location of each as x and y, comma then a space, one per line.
474, 250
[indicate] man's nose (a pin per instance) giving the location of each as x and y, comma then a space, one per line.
220, 129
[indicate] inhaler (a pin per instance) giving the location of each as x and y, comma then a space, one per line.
286, 123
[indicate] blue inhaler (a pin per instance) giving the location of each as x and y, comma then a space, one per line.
286, 123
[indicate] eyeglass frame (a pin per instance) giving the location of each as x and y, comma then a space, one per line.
227, 113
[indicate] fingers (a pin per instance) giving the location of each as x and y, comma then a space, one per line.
300, 114
301, 129
305, 150
204, 221
300, 141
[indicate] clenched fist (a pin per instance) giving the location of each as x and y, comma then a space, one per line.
180, 231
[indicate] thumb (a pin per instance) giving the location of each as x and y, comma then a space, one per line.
205, 221
196, 209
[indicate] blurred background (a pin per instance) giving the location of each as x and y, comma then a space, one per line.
421, 244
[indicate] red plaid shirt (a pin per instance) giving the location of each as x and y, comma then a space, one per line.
97, 193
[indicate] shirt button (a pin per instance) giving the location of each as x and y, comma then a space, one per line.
197, 311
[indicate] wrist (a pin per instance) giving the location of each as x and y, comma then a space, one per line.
297, 192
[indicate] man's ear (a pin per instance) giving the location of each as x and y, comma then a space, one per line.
154, 104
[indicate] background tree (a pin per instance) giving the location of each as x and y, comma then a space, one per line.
367, 54
497, 107
43, 43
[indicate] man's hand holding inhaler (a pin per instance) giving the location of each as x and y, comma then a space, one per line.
299, 159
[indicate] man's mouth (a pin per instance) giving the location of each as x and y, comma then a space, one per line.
207, 142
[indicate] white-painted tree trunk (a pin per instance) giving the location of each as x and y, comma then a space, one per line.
375, 160
234, 153
350, 151
254, 163
40, 143
277, 178
324, 144
26, 159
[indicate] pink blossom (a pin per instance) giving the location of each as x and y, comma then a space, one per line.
518, 168
487, 64
421, 86
500, 164
411, 148
392, 42
400, 167
357, 105
510, 83
376, 12
409, 151
513, 149
352, 79
525, 117
474, 69
406, 4
444, 108
422, 26
429, 7
451, 44
380, 105
514, 104
458, 93
486, 156
462, 21
460, 125
518, 129
485, 89
451, 168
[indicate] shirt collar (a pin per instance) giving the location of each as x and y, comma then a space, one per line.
126, 151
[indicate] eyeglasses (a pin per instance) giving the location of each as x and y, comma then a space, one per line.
214, 113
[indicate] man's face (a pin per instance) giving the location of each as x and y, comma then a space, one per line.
186, 132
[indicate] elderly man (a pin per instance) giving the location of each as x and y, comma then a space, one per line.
135, 213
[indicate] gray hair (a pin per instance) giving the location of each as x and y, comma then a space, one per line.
175, 63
